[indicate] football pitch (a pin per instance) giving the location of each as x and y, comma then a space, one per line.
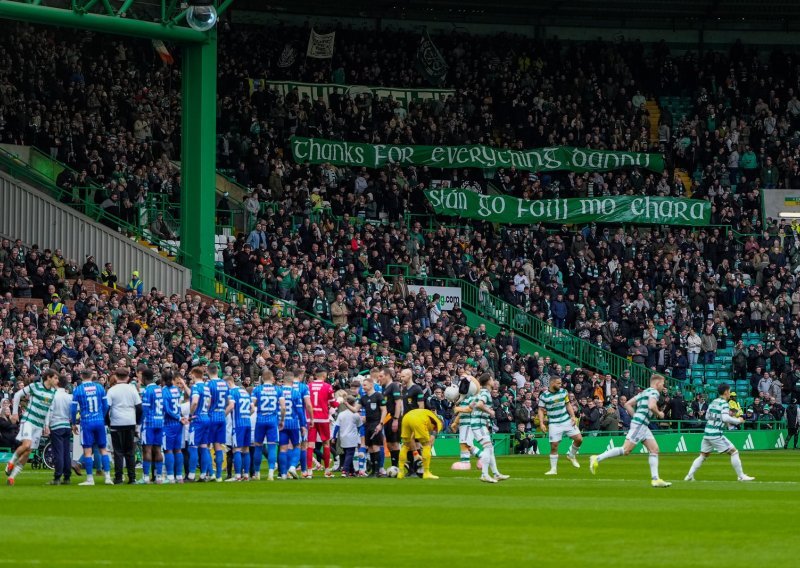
612, 519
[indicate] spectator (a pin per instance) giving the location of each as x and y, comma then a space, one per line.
135, 284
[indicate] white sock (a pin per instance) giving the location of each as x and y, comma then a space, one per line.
736, 462
493, 464
16, 471
612, 453
13, 460
487, 460
653, 460
572, 450
696, 465
553, 462
171, 477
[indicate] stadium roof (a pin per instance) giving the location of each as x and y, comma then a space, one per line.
728, 14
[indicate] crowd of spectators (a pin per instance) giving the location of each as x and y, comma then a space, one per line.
665, 297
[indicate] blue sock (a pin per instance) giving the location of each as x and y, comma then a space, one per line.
383, 455
303, 459
295, 457
237, 463
159, 468
272, 455
257, 459
362, 459
146, 469
205, 461
283, 458
192, 460
88, 464
106, 459
179, 464
246, 463
170, 459
218, 457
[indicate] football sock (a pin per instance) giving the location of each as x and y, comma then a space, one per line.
246, 463
257, 455
219, 457
653, 461
209, 465
395, 457
159, 468
16, 471
464, 456
736, 462
169, 459
13, 460
487, 459
88, 463
146, 469
553, 462
192, 462
237, 463
272, 455
401, 458
303, 456
283, 458
310, 456
362, 459
326, 456
106, 459
375, 458
179, 464
573, 450
426, 458
612, 453
696, 465
383, 456
476, 451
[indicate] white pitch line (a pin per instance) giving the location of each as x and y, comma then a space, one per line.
34, 562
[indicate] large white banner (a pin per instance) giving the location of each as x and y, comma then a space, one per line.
450, 297
320, 46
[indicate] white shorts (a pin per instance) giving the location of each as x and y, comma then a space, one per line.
28, 431
481, 435
639, 433
558, 431
465, 435
719, 444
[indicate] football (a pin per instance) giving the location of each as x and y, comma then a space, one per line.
451, 393
392, 471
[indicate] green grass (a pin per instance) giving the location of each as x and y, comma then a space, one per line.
613, 519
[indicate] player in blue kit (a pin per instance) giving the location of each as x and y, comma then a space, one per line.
198, 425
172, 394
216, 417
290, 433
239, 409
268, 403
307, 412
152, 432
89, 398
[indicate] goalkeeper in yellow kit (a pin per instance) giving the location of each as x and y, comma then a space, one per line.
419, 428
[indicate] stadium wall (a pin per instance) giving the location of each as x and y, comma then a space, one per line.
37, 219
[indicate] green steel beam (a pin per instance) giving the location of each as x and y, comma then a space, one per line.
198, 161
37, 14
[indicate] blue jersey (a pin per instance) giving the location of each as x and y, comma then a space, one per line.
203, 394
267, 399
172, 404
219, 400
153, 407
300, 402
294, 401
90, 400
241, 407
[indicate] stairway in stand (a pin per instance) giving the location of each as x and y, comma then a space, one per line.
655, 115
686, 179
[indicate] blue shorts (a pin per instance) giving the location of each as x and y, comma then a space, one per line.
266, 433
290, 437
216, 433
241, 437
93, 435
198, 433
152, 436
173, 436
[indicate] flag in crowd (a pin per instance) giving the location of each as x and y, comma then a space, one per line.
288, 56
163, 52
430, 61
320, 46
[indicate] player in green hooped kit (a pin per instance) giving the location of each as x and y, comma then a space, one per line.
561, 421
646, 406
718, 417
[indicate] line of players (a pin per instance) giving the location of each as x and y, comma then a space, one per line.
287, 420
